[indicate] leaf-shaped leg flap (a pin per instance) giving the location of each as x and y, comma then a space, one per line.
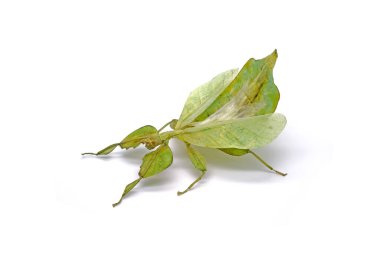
153, 163
147, 135
199, 163
156, 161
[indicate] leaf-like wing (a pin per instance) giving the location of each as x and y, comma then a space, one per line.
243, 133
203, 96
265, 102
267, 99
251, 93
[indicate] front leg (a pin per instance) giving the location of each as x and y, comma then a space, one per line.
147, 135
153, 163
199, 163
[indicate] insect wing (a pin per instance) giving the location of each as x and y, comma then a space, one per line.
243, 133
252, 92
203, 96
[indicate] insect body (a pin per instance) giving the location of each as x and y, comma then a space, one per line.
234, 112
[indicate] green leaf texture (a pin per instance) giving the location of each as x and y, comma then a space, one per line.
251, 93
202, 97
147, 135
243, 133
156, 161
196, 158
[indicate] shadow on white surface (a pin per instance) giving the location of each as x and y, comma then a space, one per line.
296, 153
241, 169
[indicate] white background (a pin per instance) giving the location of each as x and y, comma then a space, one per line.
76, 76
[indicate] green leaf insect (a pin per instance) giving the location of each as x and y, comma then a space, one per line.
233, 112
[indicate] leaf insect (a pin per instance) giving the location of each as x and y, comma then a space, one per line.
233, 112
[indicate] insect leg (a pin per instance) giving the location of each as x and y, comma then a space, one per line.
199, 163
104, 151
127, 189
267, 165
179, 193
153, 163
167, 124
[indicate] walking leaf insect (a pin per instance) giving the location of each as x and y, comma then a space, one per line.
234, 112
